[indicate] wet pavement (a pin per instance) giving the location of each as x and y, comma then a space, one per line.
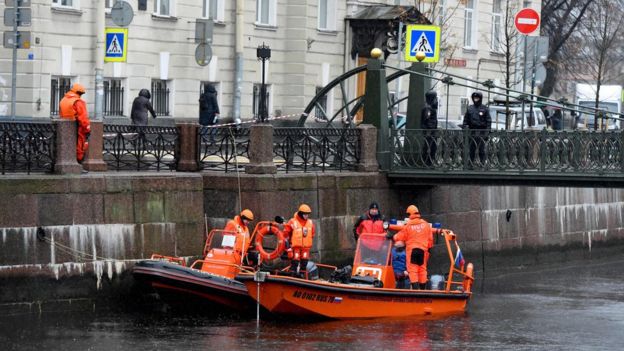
574, 306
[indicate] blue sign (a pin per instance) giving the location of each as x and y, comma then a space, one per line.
425, 39
116, 44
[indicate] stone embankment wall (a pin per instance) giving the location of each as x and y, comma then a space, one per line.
97, 225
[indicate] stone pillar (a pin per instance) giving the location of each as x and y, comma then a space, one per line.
188, 147
93, 159
261, 150
376, 106
368, 149
66, 148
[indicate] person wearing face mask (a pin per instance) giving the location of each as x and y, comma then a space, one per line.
369, 222
477, 117
299, 233
401, 276
72, 107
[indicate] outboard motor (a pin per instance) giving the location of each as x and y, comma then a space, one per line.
342, 275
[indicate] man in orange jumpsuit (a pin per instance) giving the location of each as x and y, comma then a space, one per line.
299, 231
239, 226
72, 107
418, 237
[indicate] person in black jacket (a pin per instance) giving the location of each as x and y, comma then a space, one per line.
209, 109
478, 117
140, 106
429, 120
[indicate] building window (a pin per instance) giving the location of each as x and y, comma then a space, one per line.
214, 9
66, 3
110, 3
497, 20
256, 99
266, 12
469, 25
58, 87
327, 15
113, 97
441, 12
160, 97
163, 7
320, 110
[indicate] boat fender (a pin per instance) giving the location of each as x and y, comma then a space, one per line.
468, 278
270, 230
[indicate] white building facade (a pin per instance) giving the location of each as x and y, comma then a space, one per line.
311, 43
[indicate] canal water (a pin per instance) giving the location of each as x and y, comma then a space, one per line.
575, 306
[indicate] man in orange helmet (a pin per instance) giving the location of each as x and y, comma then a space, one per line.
239, 225
299, 231
72, 107
418, 237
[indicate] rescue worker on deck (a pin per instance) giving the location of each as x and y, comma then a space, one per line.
418, 237
370, 222
299, 232
72, 107
239, 225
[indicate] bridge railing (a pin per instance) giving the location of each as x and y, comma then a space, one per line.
539, 152
140, 148
27, 147
222, 148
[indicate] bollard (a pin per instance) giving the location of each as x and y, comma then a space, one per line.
94, 161
368, 149
65, 162
188, 149
261, 150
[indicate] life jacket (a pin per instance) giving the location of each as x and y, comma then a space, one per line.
370, 225
66, 107
301, 235
417, 233
242, 234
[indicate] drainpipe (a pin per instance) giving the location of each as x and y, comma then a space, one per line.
238, 60
99, 59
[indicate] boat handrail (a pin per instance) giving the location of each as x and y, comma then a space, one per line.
244, 269
177, 260
466, 274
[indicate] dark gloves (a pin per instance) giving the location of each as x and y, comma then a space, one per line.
389, 236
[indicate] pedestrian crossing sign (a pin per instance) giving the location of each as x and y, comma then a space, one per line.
116, 44
422, 38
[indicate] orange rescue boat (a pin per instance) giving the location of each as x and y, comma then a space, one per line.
368, 292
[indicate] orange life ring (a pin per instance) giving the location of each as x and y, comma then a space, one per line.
273, 230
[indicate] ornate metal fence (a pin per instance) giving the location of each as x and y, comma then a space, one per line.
127, 147
318, 149
508, 151
27, 147
223, 148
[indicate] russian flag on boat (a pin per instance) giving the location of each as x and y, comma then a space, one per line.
459, 258
337, 299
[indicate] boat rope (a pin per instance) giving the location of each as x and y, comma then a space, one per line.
82, 256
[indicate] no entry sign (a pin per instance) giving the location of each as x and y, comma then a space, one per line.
527, 21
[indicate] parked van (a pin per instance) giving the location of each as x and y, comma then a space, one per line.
534, 121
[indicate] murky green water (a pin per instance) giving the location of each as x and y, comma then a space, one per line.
577, 306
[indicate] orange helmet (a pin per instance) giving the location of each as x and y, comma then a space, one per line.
303, 208
246, 214
411, 210
78, 88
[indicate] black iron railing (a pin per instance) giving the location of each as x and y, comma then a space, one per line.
113, 98
27, 147
58, 87
140, 148
316, 149
509, 151
223, 148
160, 97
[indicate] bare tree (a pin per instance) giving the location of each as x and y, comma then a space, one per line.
560, 20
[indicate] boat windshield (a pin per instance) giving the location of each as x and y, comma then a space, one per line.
372, 249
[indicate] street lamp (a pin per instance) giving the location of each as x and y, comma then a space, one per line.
264, 54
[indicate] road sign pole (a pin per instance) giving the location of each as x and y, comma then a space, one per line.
14, 62
533, 66
524, 66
